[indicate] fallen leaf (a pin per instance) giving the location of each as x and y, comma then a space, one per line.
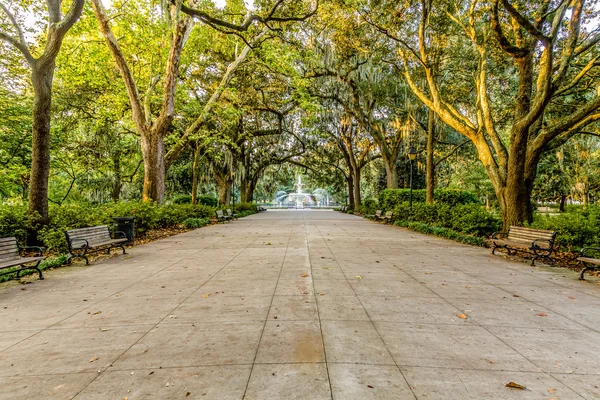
461, 316
103, 329
304, 275
516, 295
268, 243
97, 312
542, 315
187, 394
327, 268
358, 277
571, 297
94, 359
370, 387
205, 295
468, 287
515, 386
551, 390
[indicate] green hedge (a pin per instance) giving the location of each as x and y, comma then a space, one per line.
194, 223
390, 198
576, 229
14, 220
442, 232
470, 219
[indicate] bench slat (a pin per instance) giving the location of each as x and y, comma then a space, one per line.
530, 234
531, 229
589, 260
8, 239
90, 233
18, 261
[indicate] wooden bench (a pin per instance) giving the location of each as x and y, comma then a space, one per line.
590, 257
96, 238
222, 217
231, 214
377, 215
11, 257
537, 241
387, 217
260, 209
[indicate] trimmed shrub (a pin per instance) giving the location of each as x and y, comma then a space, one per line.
368, 206
390, 198
194, 223
208, 201
471, 219
15, 222
182, 199
441, 232
245, 207
575, 229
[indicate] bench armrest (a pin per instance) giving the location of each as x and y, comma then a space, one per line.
71, 242
587, 252
118, 235
32, 249
498, 235
549, 242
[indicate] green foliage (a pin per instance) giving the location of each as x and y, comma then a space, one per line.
148, 215
208, 201
470, 219
575, 229
442, 232
245, 207
183, 199
390, 198
369, 206
14, 221
194, 223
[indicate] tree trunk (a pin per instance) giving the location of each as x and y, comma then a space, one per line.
116, 189
357, 202
224, 187
41, 78
430, 178
563, 202
391, 175
154, 167
195, 176
515, 203
350, 181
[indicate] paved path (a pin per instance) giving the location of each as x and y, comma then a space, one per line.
301, 305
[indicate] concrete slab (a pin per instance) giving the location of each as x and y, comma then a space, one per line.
301, 305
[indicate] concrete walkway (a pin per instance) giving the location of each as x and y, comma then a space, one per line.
301, 305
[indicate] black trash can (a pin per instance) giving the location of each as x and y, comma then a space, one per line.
126, 225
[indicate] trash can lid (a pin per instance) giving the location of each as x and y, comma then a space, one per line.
123, 219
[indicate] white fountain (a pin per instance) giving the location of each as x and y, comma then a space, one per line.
299, 199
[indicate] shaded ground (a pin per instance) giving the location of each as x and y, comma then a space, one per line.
301, 304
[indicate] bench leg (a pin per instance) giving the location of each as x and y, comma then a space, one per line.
122, 246
72, 256
581, 278
39, 271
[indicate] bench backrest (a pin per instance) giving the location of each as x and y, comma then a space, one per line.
9, 249
220, 213
229, 212
378, 213
91, 234
389, 214
528, 235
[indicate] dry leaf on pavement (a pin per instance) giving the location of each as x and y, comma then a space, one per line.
515, 386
